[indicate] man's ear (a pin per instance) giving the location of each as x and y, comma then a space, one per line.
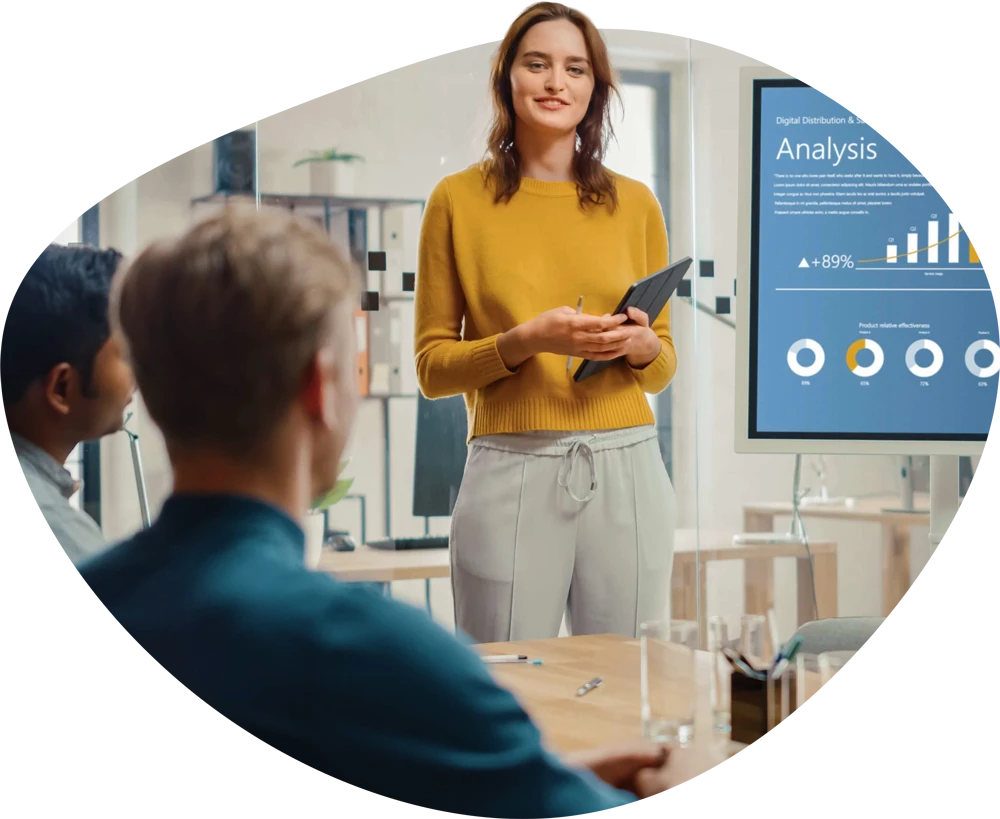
319, 388
62, 385
312, 390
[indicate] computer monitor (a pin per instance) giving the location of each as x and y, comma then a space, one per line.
441, 450
866, 322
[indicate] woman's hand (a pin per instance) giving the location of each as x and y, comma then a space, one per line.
563, 331
644, 345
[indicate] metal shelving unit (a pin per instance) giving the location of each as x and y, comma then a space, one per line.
356, 208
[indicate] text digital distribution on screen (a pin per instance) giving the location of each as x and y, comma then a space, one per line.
871, 315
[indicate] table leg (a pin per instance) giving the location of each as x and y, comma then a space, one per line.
427, 593
758, 521
825, 568
895, 565
683, 604
758, 585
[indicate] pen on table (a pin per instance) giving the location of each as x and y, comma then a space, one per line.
583, 689
579, 309
510, 658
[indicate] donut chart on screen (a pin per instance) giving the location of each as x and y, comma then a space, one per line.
850, 249
928, 370
808, 370
852, 357
970, 358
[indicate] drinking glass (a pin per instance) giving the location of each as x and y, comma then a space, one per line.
718, 638
668, 680
807, 675
799, 680
752, 636
830, 662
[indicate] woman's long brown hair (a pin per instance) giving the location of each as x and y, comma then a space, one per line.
595, 185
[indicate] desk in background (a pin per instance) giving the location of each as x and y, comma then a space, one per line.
367, 565
758, 575
896, 526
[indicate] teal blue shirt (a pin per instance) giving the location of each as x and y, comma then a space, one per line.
368, 690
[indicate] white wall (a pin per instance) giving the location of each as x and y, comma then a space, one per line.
417, 124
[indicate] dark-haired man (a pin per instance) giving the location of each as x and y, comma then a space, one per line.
64, 380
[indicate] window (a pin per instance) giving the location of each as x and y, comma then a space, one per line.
641, 150
66, 234
633, 151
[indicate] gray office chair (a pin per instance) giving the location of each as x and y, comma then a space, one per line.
837, 634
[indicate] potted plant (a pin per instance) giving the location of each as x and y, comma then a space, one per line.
331, 173
315, 523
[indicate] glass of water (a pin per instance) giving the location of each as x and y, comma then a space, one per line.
718, 639
668, 680
752, 636
799, 680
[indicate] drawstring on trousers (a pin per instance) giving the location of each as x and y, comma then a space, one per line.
569, 462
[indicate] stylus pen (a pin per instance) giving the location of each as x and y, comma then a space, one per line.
579, 309
510, 658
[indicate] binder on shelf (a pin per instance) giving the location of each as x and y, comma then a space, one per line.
361, 332
357, 241
379, 352
403, 373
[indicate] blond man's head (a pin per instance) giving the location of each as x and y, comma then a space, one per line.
237, 324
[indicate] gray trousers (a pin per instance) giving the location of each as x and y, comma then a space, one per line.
553, 523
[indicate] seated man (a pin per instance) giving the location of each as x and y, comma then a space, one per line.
240, 334
64, 380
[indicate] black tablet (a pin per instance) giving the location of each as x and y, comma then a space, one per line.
649, 295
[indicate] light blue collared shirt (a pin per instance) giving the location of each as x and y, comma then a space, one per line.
50, 486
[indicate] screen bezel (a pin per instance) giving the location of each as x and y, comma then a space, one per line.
747, 437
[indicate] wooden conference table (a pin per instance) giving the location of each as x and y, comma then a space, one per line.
609, 714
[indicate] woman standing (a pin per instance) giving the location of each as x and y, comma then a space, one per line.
565, 505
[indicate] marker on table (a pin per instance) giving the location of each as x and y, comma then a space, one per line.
786, 656
509, 658
583, 689
579, 310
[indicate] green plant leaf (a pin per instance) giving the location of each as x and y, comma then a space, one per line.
334, 496
329, 155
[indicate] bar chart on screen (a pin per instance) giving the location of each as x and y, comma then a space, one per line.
928, 248
855, 253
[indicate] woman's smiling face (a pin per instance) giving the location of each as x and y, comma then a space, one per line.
551, 79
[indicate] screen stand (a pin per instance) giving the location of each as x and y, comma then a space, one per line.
944, 496
905, 489
140, 481
795, 533
823, 498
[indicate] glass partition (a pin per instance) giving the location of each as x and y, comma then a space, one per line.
654, 145
345, 157
164, 202
853, 557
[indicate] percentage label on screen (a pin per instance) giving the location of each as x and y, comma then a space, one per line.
834, 261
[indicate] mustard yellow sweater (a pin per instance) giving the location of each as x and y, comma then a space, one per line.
485, 268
